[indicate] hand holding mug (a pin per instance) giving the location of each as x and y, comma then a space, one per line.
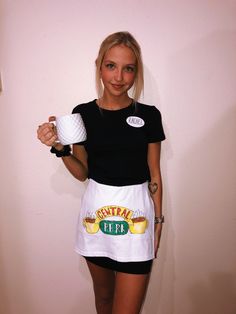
64, 130
47, 133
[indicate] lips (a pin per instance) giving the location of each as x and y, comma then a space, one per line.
117, 86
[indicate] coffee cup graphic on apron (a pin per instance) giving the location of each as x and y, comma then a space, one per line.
139, 225
91, 225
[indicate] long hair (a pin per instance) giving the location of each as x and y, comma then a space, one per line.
126, 39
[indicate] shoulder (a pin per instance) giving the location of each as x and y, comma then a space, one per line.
85, 107
153, 122
147, 110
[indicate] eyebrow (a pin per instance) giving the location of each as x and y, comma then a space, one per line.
128, 64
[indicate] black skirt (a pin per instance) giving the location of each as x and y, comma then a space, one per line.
123, 267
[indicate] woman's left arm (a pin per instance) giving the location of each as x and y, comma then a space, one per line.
155, 186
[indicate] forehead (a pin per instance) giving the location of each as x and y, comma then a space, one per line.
120, 53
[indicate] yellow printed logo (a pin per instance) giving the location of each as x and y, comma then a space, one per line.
105, 221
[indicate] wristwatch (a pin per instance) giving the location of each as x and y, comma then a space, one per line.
159, 220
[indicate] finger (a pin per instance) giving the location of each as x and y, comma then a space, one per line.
45, 128
156, 245
48, 141
48, 137
156, 250
46, 133
44, 125
52, 118
51, 141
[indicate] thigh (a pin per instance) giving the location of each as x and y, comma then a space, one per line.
103, 280
130, 291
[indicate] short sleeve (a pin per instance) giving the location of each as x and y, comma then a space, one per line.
154, 127
76, 109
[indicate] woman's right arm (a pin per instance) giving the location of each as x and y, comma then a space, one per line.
76, 163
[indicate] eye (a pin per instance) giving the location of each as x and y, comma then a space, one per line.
130, 68
110, 66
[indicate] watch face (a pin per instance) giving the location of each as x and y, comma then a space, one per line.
159, 220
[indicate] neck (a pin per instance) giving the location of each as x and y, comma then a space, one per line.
113, 103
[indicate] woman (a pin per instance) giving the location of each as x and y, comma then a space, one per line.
120, 223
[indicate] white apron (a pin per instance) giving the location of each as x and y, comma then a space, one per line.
116, 222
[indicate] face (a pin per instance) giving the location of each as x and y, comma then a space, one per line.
118, 70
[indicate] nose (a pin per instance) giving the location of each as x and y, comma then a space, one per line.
119, 75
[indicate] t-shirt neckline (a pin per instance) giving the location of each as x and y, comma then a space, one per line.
116, 110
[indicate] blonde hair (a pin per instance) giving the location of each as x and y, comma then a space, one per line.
126, 39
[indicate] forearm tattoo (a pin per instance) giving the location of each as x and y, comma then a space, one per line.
153, 187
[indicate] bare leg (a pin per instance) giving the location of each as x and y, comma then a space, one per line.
103, 284
130, 290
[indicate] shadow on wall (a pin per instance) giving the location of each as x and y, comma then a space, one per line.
215, 296
206, 221
75, 189
85, 302
213, 168
210, 195
4, 300
160, 294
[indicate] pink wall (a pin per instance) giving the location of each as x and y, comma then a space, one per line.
47, 50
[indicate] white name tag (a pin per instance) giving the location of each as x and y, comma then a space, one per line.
136, 122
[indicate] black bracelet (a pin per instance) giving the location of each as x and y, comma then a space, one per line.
61, 153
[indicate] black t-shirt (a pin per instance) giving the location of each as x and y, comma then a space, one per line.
117, 141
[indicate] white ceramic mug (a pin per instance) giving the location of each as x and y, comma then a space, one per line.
70, 129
